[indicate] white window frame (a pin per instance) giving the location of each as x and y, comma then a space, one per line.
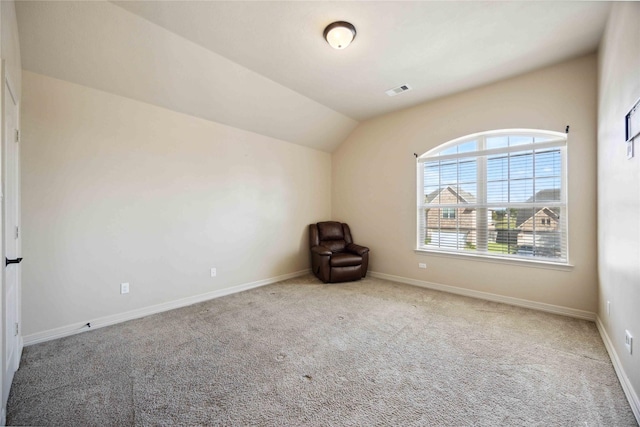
556, 140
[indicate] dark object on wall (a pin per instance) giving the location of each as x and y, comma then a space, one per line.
632, 127
334, 256
632, 122
8, 261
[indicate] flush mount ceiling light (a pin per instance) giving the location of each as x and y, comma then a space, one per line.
339, 34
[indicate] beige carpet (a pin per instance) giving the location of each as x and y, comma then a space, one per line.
301, 353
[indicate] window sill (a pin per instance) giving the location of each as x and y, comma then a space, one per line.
550, 265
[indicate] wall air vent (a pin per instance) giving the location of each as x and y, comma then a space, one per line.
397, 90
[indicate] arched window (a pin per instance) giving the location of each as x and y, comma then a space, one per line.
499, 194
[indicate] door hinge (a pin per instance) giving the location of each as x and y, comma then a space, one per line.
17, 232
17, 135
17, 329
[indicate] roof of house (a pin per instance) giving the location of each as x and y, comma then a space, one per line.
462, 195
546, 195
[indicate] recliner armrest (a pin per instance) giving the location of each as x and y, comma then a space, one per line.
320, 250
357, 249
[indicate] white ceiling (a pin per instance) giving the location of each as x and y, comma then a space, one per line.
264, 66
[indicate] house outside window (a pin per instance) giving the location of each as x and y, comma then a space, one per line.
496, 194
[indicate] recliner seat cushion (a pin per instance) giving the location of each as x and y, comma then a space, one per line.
345, 259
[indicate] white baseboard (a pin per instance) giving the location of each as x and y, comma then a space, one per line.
631, 394
73, 329
550, 308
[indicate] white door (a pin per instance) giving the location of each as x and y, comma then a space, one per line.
12, 242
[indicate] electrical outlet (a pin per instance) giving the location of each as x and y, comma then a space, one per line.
608, 308
124, 288
422, 265
628, 341
214, 273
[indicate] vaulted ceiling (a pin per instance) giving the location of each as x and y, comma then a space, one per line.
264, 67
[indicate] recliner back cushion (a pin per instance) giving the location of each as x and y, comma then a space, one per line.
332, 236
330, 230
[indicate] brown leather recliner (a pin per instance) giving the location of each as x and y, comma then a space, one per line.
334, 256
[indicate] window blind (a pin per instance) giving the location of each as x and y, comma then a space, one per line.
500, 193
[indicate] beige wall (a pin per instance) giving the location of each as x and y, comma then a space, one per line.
374, 176
115, 190
619, 187
11, 46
